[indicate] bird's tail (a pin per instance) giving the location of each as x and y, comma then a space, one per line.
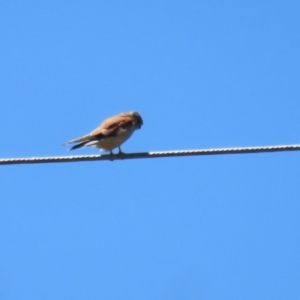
81, 139
77, 146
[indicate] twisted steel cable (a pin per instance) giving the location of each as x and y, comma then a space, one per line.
217, 151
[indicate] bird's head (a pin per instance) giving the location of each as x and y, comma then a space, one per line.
138, 121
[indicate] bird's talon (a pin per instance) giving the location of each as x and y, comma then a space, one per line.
111, 156
121, 154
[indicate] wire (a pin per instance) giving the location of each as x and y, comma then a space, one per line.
218, 151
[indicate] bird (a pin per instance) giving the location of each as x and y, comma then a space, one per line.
111, 133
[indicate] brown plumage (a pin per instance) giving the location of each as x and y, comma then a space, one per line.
112, 132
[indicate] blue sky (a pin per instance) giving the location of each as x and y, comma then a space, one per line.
202, 74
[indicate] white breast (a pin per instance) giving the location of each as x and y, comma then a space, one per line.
114, 142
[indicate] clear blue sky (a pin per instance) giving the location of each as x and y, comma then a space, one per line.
202, 74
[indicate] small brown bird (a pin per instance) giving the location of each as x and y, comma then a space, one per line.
112, 132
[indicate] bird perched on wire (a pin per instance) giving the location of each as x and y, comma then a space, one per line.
111, 133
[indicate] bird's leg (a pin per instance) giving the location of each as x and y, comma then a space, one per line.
111, 155
121, 153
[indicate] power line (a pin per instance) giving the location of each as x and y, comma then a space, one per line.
218, 151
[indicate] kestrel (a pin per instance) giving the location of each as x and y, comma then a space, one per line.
112, 132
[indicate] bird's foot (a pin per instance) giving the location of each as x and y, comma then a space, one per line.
111, 156
121, 154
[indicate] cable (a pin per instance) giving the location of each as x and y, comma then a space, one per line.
218, 151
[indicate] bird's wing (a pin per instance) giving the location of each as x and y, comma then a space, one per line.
111, 126
108, 128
